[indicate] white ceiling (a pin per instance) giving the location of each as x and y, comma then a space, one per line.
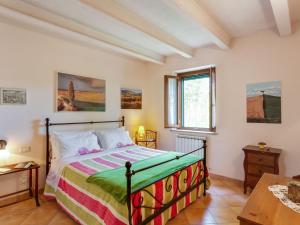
168, 19
241, 17
79, 12
233, 18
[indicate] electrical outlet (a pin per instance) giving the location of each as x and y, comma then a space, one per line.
25, 149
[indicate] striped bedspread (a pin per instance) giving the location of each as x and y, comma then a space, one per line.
88, 204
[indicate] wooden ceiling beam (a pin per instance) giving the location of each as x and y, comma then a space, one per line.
282, 16
194, 10
43, 20
121, 13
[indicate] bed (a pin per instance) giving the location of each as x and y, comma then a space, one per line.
125, 185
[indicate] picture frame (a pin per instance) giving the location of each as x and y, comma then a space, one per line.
264, 102
76, 93
13, 96
131, 98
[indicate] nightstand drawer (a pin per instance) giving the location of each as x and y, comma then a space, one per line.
265, 160
259, 170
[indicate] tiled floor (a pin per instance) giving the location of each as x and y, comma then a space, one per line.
221, 206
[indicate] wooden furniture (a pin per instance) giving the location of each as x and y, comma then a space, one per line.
257, 162
149, 140
297, 177
263, 208
30, 186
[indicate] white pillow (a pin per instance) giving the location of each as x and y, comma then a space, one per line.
99, 131
70, 143
113, 138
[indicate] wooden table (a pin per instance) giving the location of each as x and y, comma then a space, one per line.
29, 189
263, 208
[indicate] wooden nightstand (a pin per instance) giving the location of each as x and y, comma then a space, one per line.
30, 186
257, 162
149, 141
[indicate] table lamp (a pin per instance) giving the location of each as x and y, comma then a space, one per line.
141, 132
4, 153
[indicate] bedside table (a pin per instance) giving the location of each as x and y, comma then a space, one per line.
257, 162
149, 141
13, 170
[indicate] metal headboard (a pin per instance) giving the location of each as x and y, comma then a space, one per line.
49, 124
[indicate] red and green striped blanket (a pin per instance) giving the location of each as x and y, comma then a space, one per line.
90, 204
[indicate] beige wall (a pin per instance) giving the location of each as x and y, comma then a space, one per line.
31, 60
258, 58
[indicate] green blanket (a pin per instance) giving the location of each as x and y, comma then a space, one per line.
114, 181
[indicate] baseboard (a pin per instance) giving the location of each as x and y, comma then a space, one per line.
13, 199
17, 198
217, 176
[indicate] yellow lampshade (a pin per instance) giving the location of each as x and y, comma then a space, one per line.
141, 132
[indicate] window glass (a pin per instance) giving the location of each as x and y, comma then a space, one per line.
196, 101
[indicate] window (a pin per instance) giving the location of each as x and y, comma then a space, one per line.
190, 100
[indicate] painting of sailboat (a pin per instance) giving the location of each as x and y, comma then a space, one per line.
79, 93
264, 102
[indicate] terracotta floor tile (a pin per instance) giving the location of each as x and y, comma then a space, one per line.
199, 216
13, 219
62, 219
223, 215
180, 219
42, 215
235, 200
214, 200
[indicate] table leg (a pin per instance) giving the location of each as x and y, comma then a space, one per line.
30, 183
37, 187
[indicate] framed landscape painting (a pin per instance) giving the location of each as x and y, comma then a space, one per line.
131, 98
264, 102
78, 93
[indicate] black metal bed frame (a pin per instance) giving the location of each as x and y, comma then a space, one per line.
132, 203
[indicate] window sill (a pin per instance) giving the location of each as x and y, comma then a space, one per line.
178, 130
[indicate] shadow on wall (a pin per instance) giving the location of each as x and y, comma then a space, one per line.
38, 144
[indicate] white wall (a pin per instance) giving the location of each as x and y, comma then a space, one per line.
258, 58
31, 60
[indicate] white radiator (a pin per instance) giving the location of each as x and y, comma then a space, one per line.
186, 143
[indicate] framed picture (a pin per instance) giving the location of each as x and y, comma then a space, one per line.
79, 93
264, 102
131, 98
13, 96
